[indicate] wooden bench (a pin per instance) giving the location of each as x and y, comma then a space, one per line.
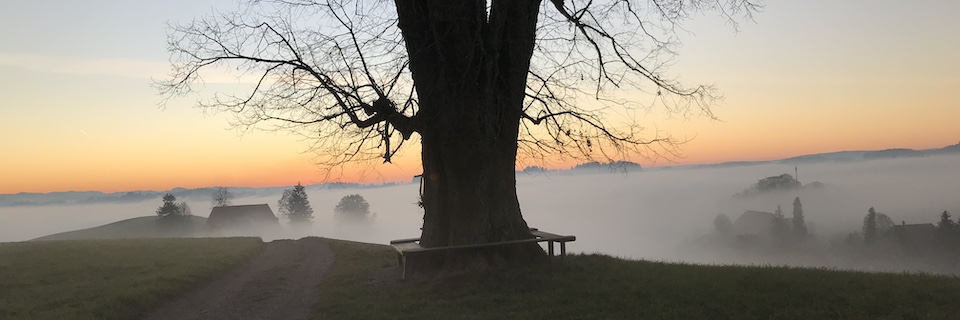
408, 247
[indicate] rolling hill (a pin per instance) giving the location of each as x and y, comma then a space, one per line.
140, 227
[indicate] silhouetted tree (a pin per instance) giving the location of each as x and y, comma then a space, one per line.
799, 226
221, 197
780, 230
184, 209
352, 208
770, 184
477, 81
870, 227
169, 208
946, 230
723, 225
295, 206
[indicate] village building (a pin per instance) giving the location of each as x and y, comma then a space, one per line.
754, 223
254, 219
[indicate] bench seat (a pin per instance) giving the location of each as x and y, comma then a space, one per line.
411, 246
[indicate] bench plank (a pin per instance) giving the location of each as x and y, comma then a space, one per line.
405, 247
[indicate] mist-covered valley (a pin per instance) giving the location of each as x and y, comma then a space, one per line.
654, 214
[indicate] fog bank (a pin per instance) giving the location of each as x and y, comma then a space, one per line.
645, 214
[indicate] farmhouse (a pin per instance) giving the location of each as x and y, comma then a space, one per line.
754, 223
255, 217
913, 235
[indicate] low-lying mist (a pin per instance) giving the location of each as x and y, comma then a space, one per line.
654, 214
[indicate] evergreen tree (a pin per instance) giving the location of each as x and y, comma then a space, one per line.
946, 229
780, 230
870, 227
295, 205
799, 226
170, 207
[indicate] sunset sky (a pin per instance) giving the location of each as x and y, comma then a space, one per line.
806, 77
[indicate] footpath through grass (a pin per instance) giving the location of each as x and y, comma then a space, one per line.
602, 287
108, 279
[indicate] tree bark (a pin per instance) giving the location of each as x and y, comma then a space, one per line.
470, 69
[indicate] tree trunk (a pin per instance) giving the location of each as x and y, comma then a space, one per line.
470, 69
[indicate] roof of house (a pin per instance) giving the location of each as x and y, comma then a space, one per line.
919, 233
241, 216
754, 222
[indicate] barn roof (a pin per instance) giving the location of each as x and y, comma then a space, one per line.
754, 222
920, 234
241, 216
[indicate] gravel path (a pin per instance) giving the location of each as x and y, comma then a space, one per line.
281, 282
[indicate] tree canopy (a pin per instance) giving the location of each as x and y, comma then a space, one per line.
221, 197
352, 208
341, 72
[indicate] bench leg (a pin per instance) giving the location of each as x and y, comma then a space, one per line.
563, 250
403, 269
550, 248
399, 260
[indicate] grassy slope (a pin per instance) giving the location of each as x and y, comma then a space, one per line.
140, 227
601, 287
108, 279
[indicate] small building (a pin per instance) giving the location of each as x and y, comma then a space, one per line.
754, 223
254, 217
918, 235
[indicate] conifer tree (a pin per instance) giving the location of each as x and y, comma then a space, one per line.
870, 227
799, 225
170, 207
295, 206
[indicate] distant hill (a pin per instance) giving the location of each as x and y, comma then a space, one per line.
91, 197
141, 227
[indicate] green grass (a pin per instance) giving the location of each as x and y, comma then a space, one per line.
140, 227
108, 279
602, 287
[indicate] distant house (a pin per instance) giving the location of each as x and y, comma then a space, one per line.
240, 218
913, 235
754, 223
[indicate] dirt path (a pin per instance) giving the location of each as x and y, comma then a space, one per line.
281, 282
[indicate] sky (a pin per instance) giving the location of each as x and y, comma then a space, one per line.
804, 77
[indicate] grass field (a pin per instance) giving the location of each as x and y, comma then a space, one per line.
140, 227
121, 279
108, 279
602, 287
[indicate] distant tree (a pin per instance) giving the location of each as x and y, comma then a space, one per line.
352, 208
169, 208
799, 226
884, 223
723, 225
295, 206
771, 184
184, 209
946, 230
870, 227
779, 230
221, 197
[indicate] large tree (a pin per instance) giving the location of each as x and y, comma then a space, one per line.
478, 82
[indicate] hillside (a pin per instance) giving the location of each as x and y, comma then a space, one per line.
141, 227
363, 285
